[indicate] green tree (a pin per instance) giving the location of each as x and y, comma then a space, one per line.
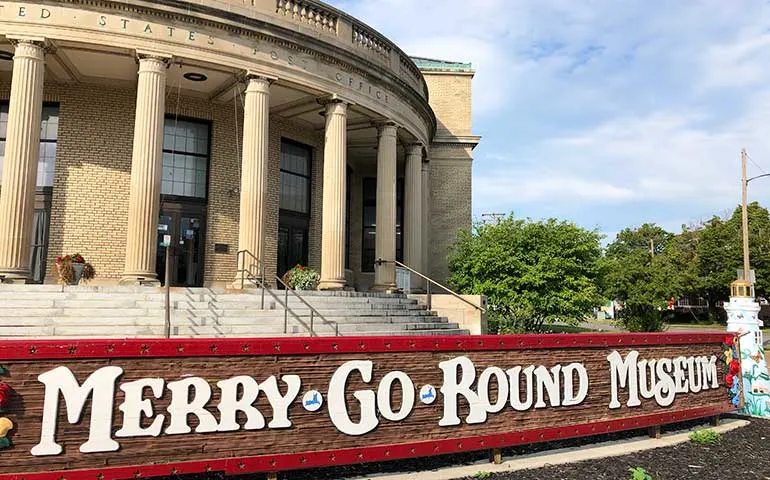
531, 272
720, 252
637, 267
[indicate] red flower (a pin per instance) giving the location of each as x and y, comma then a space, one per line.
58, 259
729, 379
735, 367
729, 341
5, 393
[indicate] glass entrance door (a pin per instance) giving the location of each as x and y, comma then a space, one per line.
185, 228
292, 243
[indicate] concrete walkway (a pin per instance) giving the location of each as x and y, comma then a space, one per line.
557, 457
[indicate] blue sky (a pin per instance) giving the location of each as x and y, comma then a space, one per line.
610, 114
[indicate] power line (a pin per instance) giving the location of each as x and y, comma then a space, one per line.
755, 163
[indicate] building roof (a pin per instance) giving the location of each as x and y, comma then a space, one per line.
431, 64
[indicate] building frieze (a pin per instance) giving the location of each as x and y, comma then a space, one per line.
263, 32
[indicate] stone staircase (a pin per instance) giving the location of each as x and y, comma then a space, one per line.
48, 311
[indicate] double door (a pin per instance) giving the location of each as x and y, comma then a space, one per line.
292, 242
184, 225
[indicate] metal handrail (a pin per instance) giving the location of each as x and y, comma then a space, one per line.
430, 281
259, 281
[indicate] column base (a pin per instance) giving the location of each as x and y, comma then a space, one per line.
332, 284
246, 285
129, 279
385, 288
15, 276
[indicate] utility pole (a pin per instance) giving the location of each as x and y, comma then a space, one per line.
745, 218
652, 248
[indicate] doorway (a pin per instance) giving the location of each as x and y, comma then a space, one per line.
185, 226
292, 242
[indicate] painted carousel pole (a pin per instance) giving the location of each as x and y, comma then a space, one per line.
751, 383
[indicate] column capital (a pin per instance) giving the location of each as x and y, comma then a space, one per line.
386, 127
29, 46
333, 100
257, 83
334, 106
250, 75
148, 55
415, 148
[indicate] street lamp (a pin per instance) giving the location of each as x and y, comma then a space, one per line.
745, 215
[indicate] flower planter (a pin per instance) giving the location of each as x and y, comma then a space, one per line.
78, 267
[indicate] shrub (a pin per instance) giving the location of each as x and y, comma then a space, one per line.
507, 321
641, 317
705, 437
302, 278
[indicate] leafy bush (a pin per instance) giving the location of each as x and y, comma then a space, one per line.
641, 317
302, 278
638, 473
507, 321
705, 437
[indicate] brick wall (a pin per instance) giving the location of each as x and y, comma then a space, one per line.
450, 203
450, 167
89, 212
450, 99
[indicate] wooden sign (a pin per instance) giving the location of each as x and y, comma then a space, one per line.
137, 408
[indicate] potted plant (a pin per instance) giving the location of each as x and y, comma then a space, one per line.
74, 268
302, 278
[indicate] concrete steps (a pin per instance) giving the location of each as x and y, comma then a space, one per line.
54, 311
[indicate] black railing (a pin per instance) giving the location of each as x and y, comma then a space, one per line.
429, 281
254, 273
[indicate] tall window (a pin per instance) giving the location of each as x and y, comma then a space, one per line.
368, 244
49, 133
348, 196
185, 158
295, 177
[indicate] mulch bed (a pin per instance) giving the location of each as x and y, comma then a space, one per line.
742, 453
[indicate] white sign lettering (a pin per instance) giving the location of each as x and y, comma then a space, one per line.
488, 392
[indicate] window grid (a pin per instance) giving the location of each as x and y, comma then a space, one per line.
49, 133
185, 158
295, 177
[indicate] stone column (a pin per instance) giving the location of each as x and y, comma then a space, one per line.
144, 197
413, 211
385, 243
334, 186
256, 120
425, 218
22, 152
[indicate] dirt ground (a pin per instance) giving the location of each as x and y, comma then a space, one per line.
742, 453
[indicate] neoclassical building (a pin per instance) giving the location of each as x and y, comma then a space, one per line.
285, 128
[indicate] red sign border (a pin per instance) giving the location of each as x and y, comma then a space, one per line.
216, 347
137, 348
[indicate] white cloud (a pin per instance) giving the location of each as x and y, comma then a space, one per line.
634, 111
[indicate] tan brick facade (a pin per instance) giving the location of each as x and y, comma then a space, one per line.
451, 159
450, 99
93, 167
